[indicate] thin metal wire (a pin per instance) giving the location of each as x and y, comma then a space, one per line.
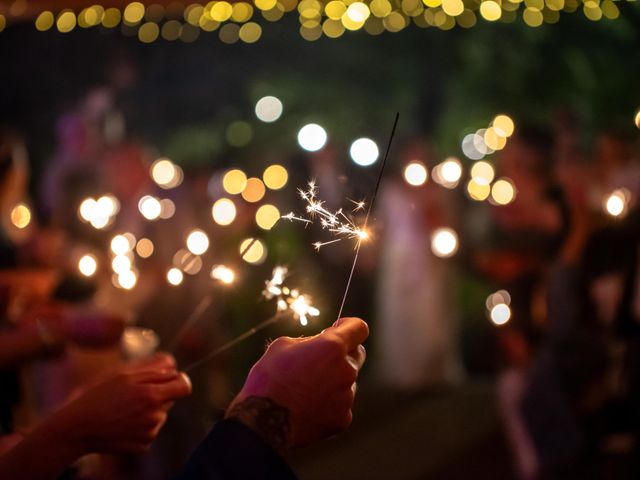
369, 210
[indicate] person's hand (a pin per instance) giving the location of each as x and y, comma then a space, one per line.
302, 389
124, 412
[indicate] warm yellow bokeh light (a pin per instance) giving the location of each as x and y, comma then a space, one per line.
483, 173
490, 10
254, 190
478, 191
637, 119
88, 265
174, 276
267, 216
45, 21
415, 174
20, 216
256, 254
453, 7
66, 21
197, 242
444, 242
223, 211
234, 181
133, 13
493, 139
145, 248
111, 18
503, 125
275, 177
450, 170
503, 191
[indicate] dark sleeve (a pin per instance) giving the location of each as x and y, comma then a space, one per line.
233, 451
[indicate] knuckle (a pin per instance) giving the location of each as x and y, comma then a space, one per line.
280, 342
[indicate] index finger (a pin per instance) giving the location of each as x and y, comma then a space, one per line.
352, 331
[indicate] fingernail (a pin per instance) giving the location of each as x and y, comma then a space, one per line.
187, 380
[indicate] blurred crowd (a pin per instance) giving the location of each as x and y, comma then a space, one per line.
567, 358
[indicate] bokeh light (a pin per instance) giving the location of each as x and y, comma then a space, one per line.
21, 216
269, 109
364, 152
444, 242
197, 242
223, 274
256, 254
145, 248
128, 279
415, 174
254, 190
503, 125
482, 173
150, 207
312, 137
120, 245
267, 216
275, 177
174, 276
500, 314
478, 191
167, 208
503, 191
121, 263
223, 211
234, 181
616, 203
166, 174
88, 265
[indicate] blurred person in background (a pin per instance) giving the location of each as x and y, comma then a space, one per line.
416, 336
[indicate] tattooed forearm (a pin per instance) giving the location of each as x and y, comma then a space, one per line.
268, 419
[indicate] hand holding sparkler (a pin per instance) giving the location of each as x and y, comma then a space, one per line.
302, 389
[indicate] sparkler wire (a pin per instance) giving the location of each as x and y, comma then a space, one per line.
369, 210
231, 343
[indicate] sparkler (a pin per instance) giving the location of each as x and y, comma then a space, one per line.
338, 223
288, 301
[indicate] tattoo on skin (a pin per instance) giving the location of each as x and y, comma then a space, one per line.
268, 419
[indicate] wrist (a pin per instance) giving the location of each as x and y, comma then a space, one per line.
268, 419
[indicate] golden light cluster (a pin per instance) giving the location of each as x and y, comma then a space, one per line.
241, 21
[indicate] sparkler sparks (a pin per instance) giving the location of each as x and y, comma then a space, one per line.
341, 225
289, 300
